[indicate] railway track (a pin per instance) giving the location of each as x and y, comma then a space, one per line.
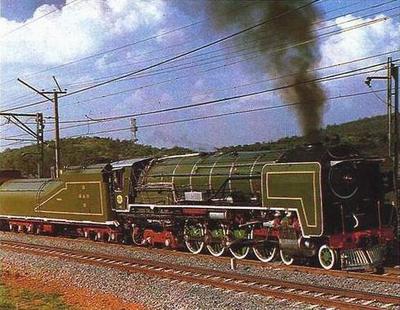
306, 294
391, 275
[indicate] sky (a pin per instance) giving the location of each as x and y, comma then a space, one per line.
85, 42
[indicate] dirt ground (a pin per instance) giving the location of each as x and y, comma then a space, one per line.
77, 298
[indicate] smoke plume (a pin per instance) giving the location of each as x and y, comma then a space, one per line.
282, 40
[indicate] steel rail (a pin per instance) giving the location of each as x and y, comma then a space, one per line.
391, 275
304, 293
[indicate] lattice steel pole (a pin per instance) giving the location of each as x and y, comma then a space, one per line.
395, 74
39, 142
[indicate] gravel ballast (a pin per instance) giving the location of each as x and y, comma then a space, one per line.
131, 286
151, 292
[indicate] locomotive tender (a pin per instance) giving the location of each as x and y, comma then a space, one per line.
314, 201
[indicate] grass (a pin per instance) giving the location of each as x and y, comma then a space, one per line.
19, 299
5, 302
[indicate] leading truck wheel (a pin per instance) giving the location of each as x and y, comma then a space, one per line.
327, 257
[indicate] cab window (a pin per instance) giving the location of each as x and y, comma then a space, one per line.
118, 180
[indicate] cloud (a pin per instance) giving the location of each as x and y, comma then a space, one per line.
362, 42
198, 92
75, 30
176, 36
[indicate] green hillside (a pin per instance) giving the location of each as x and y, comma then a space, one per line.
368, 134
81, 151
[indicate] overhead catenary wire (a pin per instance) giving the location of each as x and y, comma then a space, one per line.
235, 87
225, 38
257, 50
345, 74
324, 78
157, 83
144, 69
252, 110
36, 19
204, 46
97, 79
125, 46
220, 115
282, 48
328, 78
183, 27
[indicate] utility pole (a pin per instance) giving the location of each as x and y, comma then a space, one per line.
395, 74
38, 135
54, 100
393, 135
389, 103
57, 155
388, 79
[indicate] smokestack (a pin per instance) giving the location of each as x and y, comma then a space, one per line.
288, 26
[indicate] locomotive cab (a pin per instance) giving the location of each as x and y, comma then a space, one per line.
125, 177
119, 188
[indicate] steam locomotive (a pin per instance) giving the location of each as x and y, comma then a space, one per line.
312, 202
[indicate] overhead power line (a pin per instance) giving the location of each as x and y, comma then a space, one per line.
36, 19
235, 34
248, 45
221, 114
98, 121
235, 87
181, 55
344, 74
180, 44
157, 124
193, 50
128, 74
319, 79
86, 122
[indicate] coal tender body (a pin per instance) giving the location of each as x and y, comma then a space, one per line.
77, 203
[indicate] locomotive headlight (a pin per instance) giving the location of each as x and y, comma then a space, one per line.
343, 180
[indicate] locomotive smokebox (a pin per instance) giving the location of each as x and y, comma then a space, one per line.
321, 151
